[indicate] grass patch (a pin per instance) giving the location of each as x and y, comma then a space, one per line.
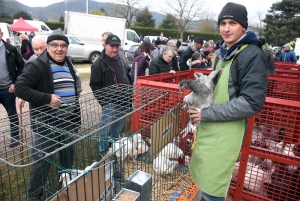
85, 76
83, 65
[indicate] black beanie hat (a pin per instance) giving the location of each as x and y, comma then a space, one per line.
57, 35
236, 12
158, 42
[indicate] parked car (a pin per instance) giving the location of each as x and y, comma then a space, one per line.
130, 54
154, 37
80, 51
183, 47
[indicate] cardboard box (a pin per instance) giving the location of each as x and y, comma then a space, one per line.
91, 186
164, 130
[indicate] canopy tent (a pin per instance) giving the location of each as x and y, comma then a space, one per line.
21, 25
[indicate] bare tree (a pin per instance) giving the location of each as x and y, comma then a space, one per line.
127, 9
184, 11
207, 23
256, 22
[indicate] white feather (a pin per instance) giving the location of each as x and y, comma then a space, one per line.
162, 165
171, 151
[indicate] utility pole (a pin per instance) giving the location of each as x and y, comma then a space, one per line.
66, 5
87, 6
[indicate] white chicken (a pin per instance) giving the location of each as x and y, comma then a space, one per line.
127, 145
162, 165
171, 151
255, 177
288, 150
141, 148
237, 167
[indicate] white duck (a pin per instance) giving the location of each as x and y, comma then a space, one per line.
162, 165
141, 148
127, 144
171, 151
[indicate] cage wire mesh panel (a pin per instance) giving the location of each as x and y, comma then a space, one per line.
46, 131
269, 166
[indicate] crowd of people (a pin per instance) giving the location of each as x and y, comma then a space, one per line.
239, 93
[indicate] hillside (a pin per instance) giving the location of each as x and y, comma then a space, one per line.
54, 11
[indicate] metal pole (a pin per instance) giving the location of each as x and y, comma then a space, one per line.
135, 71
87, 6
21, 135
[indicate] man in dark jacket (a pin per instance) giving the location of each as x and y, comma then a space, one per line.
109, 69
50, 79
269, 56
121, 52
239, 93
11, 66
186, 55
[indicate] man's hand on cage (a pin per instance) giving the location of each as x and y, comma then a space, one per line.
55, 101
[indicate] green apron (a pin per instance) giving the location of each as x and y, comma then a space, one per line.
217, 144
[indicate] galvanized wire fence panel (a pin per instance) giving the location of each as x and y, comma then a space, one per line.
45, 131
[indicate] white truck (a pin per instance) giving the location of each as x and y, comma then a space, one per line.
89, 28
40, 25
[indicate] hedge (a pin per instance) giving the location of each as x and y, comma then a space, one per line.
144, 31
55, 25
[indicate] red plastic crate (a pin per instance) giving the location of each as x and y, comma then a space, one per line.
284, 87
268, 145
287, 66
189, 193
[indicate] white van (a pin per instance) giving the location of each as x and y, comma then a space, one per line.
7, 33
40, 25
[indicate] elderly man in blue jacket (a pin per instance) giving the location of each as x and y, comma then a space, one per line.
288, 55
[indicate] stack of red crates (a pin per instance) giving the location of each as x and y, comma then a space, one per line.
269, 164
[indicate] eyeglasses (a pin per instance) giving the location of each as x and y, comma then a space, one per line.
55, 45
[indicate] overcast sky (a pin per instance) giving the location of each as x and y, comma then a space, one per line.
215, 6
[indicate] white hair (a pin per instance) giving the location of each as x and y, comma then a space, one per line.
171, 42
40, 38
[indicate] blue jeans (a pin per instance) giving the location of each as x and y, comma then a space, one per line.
212, 198
110, 113
8, 100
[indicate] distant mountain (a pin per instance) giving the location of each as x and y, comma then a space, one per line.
54, 11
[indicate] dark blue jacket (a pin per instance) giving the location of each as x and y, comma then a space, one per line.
288, 56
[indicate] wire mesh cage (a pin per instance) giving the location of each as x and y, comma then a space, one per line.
45, 130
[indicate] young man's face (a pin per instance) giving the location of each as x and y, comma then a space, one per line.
231, 31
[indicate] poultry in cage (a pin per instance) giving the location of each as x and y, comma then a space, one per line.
171, 151
141, 148
127, 144
202, 94
162, 165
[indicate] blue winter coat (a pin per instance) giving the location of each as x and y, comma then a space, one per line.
288, 56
